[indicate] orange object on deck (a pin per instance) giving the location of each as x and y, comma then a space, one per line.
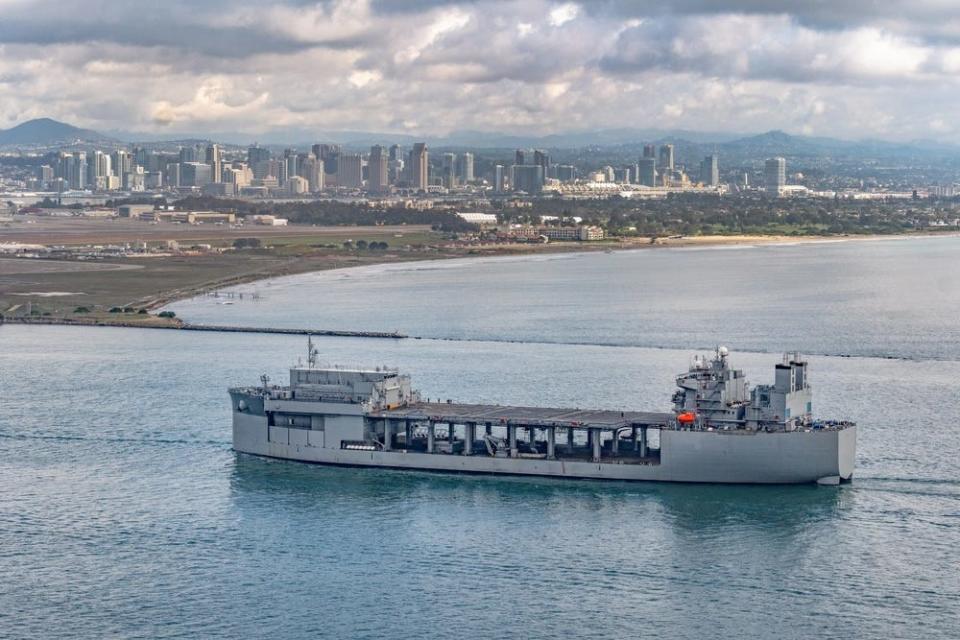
686, 418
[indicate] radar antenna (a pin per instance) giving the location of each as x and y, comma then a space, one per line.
311, 353
264, 380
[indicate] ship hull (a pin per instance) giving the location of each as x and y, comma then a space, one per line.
825, 456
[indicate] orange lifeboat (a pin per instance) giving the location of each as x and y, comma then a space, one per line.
687, 418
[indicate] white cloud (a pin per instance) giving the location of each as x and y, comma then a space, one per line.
530, 66
563, 14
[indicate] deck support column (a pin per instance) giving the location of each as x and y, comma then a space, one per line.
615, 447
407, 434
512, 437
489, 429
569, 439
450, 435
469, 433
643, 442
532, 437
387, 434
551, 442
431, 437
595, 436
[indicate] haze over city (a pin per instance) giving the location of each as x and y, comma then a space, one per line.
289, 70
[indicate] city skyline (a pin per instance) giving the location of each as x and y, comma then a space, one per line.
533, 68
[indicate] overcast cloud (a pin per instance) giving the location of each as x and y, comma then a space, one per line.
853, 69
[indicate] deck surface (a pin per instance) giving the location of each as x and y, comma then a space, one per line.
532, 416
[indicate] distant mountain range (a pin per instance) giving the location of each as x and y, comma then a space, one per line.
48, 132
45, 133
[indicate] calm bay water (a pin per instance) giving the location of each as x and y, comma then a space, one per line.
124, 513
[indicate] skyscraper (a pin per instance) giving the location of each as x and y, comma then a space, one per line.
257, 154
330, 154
666, 157
215, 162
710, 171
527, 178
122, 162
419, 166
377, 174
194, 174
774, 176
542, 158
350, 170
520, 157
649, 151
465, 168
647, 171
449, 170
498, 178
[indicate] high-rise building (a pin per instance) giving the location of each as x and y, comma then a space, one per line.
78, 171
542, 158
647, 171
122, 162
257, 154
498, 178
350, 170
520, 157
527, 178
666, 157
173, 174
195, 174
566, 172
378, 178
649, 151
449, 170
774, 176
419, 166
465, 168
330, 154
710, 171
214, 159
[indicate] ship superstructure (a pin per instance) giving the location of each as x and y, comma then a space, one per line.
720, 430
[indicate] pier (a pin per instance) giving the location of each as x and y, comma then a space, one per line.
185, 326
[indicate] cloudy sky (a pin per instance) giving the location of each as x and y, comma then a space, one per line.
846, 68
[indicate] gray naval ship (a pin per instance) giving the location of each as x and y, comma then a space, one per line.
720, 430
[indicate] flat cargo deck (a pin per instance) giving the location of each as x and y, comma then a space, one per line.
525, 416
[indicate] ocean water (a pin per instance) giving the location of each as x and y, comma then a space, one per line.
125, 514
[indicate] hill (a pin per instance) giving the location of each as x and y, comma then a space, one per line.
43, 132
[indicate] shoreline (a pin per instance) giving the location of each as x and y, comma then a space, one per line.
515, 250
318, 263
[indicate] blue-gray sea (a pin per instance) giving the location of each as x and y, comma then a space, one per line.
125, 514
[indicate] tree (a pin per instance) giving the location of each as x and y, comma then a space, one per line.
246, 243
